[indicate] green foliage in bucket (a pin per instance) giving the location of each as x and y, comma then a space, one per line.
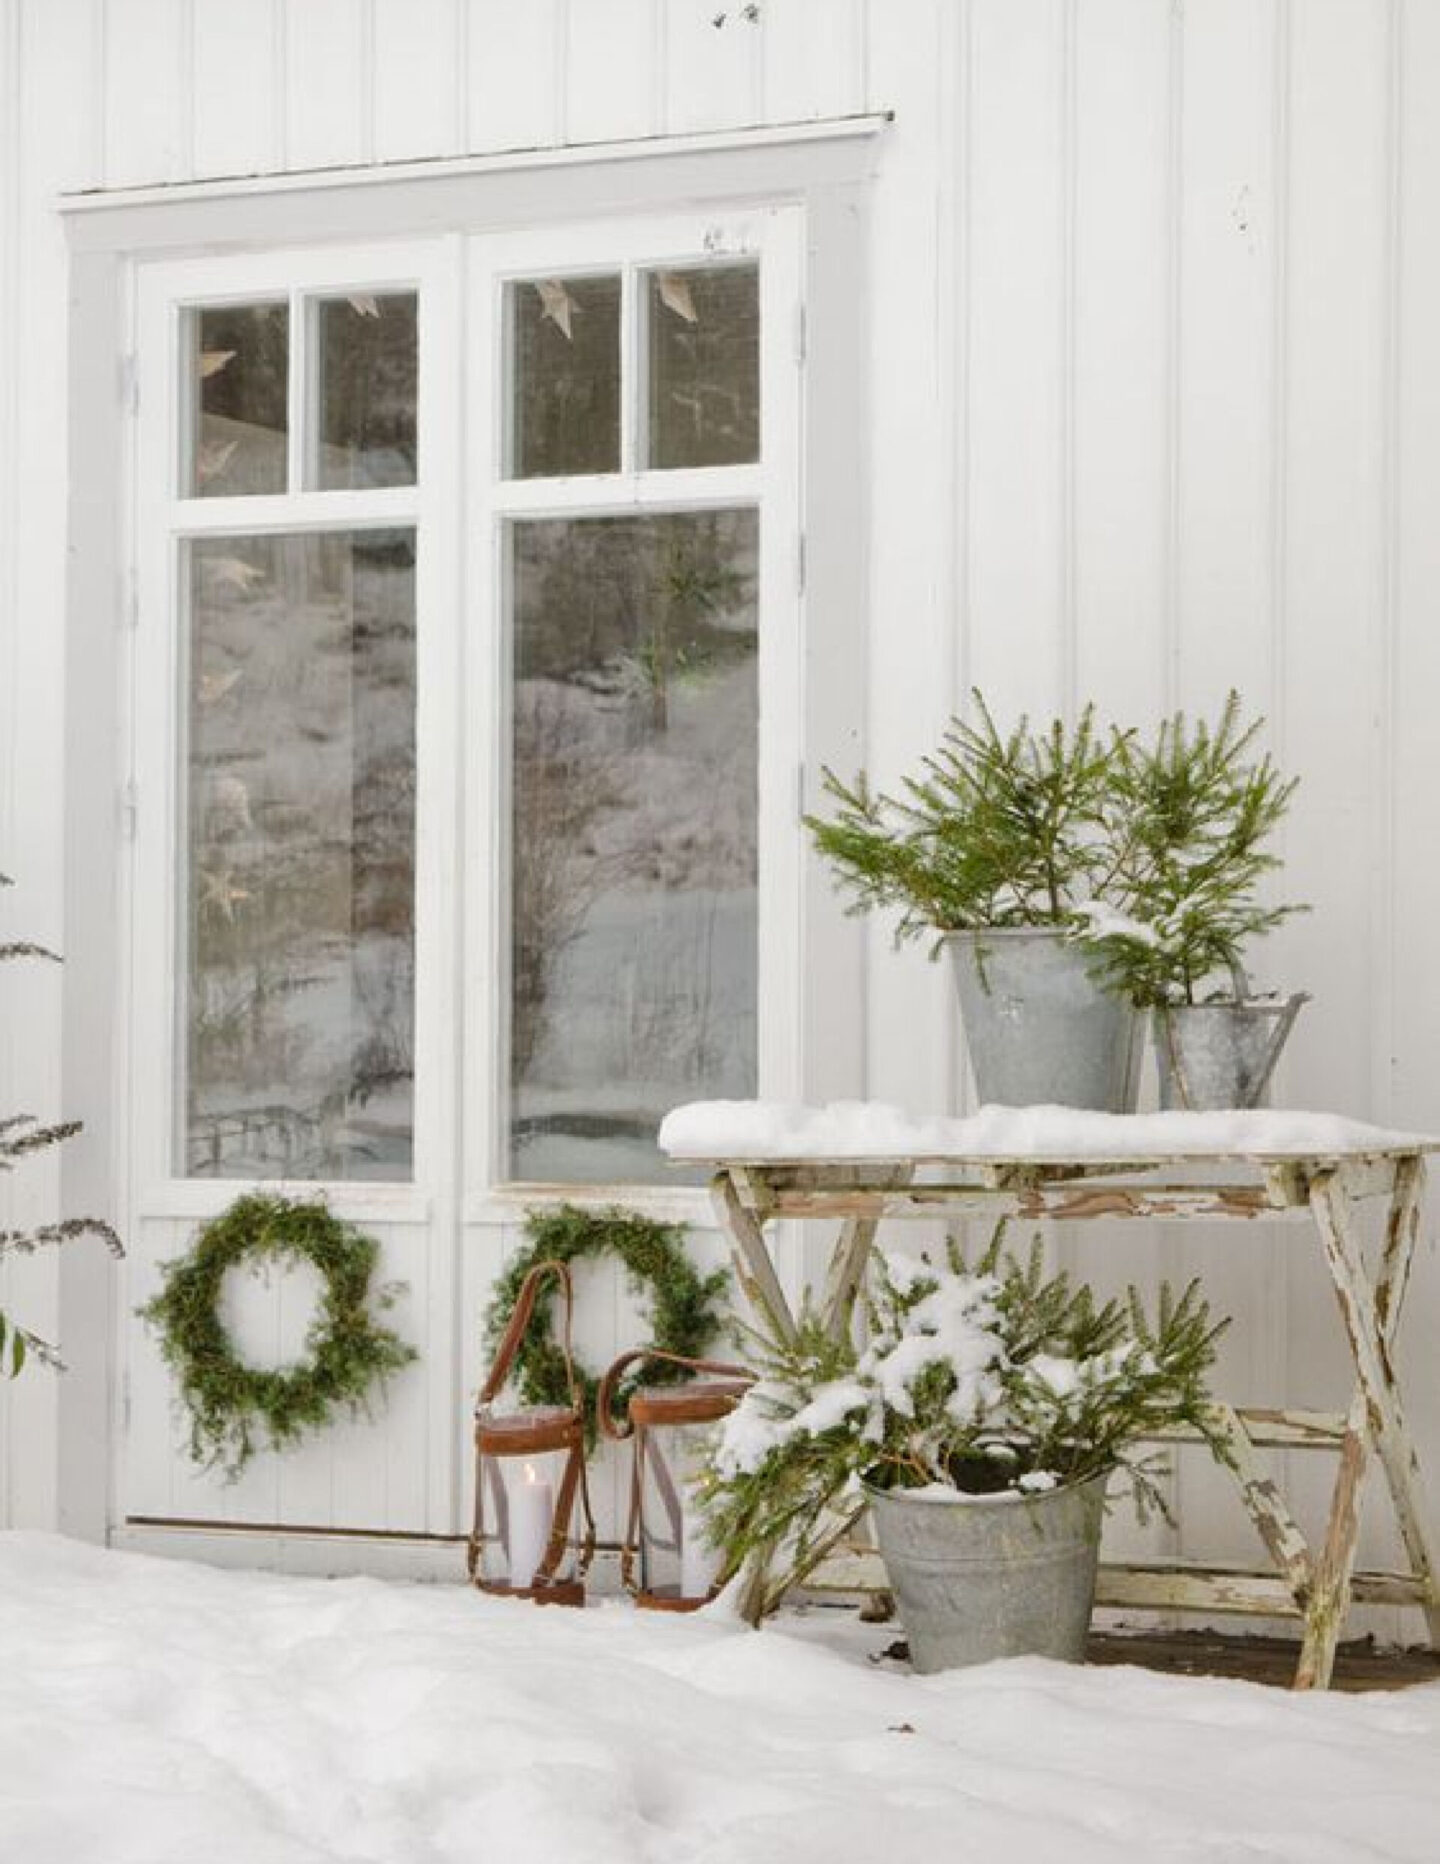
1199, 804
995, 829
1152, 854
983, 1379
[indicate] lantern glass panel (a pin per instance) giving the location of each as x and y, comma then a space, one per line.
677, 1560
523, 1485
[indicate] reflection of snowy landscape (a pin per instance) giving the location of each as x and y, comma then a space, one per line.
632, 870
659, 1005
301, 959
634, 948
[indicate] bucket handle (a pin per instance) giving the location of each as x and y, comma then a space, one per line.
1283, 1025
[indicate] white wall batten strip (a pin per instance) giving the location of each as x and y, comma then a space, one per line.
611, 71
327, 89
10, 195
811, 58
145, 58
516, 59
235, 96
902, 691
1384, 928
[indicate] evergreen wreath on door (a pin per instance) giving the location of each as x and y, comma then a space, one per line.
684, 1315
233, 1406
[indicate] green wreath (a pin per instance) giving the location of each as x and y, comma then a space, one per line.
347, 1352
683, 1313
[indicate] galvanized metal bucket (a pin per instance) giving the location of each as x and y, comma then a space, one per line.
989, 1576
1214, 1056
1039, 1025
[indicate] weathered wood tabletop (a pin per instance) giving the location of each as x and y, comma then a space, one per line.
1256, 1166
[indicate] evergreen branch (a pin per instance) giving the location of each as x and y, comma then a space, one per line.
48, 1235
986, 1378
993, 829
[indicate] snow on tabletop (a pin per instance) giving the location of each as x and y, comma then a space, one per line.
157, 1712
859, 1129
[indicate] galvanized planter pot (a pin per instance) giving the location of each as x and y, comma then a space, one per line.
991, 1576
1039, 1026
1214, 1056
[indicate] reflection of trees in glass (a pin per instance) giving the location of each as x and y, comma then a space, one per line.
301, 825
634, 826
367, 389
704, 327
242, 375
560, 790
566, 411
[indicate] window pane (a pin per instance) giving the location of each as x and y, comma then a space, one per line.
633, 929
300, 856
367, 375
704, 366
239, 361
566, 391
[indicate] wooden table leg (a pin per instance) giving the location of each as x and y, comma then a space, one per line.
1375, 1421
848, 1260
754, 1268
1277, 1527
755, 1272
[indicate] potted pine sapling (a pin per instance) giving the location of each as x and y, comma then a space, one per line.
1200, 806
981, 1424
998, 845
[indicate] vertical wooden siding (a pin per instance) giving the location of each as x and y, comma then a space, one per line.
1154, 409
50, 136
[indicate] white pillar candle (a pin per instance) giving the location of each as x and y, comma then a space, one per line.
532, 1510
699, 1561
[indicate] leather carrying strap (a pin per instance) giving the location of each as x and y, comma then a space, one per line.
619, 1428
519, 1322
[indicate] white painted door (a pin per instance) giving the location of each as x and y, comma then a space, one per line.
463, 841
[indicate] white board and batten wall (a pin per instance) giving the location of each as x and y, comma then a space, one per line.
1144, 309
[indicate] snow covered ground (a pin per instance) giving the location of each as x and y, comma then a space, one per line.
153, 1712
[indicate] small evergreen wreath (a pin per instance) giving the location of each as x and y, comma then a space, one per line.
683, 1313
346, 1350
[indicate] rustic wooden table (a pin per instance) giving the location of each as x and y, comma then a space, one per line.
1313, 1583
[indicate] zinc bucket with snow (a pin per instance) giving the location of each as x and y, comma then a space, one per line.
986, 1576
1039, 1025
1214, 1056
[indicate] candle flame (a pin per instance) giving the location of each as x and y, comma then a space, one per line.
530, 1473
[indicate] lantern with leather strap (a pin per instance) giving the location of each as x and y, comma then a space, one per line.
530, 1476
673, 1427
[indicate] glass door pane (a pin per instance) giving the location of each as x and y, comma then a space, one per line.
703, 386
239, 386
366, 379
633, 855
565, 372
298, 857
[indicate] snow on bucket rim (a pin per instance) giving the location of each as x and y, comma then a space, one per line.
772, 1130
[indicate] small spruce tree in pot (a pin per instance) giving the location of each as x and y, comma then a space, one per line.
1000, 844
1200, 805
